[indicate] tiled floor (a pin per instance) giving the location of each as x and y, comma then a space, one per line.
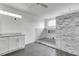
36, 49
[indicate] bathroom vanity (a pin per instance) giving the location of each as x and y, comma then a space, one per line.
11, 42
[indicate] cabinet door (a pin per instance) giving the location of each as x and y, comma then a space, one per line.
13, 43
3, 45
21, 41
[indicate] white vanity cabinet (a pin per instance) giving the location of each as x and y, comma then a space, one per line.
16, 42
4, 46
21, 41
11, 43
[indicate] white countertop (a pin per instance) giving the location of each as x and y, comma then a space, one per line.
11, 34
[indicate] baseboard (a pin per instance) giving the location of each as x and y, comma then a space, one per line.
10, 51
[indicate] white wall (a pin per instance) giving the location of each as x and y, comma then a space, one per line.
24, 25
0, 24
39, 29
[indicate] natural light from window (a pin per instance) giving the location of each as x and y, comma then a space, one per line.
52, 23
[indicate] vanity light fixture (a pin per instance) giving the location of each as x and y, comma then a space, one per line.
10, 14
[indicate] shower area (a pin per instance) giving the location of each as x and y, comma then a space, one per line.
47, 36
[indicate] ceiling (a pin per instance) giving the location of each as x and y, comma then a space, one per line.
54, 9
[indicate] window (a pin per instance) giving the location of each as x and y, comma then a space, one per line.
52, 23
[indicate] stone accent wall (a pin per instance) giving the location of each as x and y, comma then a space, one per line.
67, 32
